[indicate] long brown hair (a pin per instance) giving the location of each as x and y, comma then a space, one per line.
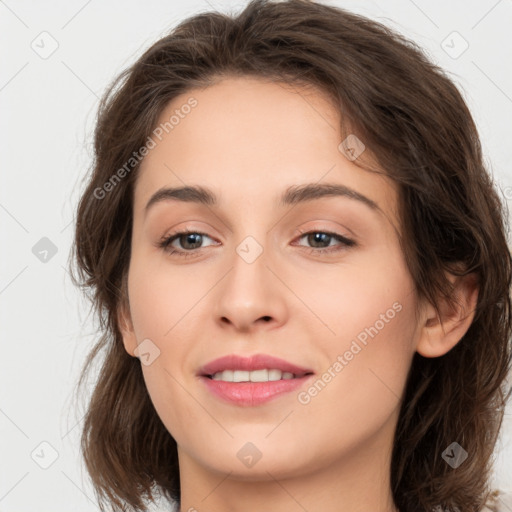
416, 125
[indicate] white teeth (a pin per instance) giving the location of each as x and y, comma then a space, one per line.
259, 376
275, 374
254, 376
240, 376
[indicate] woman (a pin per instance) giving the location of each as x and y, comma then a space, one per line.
301, 269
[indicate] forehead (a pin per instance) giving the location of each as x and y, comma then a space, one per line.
249, 140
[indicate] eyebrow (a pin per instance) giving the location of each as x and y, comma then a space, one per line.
292, 195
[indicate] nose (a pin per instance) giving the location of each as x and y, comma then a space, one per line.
250, 296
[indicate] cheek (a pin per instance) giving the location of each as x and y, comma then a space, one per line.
374, 321
361, 389
162, 307
161, 298
370, 300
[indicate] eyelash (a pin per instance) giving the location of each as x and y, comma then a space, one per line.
166, 242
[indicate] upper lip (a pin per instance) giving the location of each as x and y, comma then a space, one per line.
250, 363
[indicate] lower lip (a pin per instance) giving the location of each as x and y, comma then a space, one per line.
249, 394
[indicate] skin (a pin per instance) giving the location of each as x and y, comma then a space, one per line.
248, 140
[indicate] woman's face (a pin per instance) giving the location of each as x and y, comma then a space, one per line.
266, 274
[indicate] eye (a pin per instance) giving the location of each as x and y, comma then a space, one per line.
324, 239
190, 241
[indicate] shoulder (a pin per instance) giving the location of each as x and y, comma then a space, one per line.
499, 501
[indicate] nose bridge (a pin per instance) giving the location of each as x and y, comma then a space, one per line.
251, 237
249, 275
250, 249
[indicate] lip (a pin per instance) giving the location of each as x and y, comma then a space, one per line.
250, 394
250, 363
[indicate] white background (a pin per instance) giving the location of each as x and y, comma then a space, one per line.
47, 114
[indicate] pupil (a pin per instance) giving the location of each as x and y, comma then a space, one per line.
317, 237
190, 238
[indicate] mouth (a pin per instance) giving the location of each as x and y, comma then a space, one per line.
251, 394
263, 375
261, 367
254, 380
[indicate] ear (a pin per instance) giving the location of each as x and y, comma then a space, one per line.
441, 332
125, 324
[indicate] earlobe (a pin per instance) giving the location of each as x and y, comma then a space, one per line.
126, 327
440, 332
